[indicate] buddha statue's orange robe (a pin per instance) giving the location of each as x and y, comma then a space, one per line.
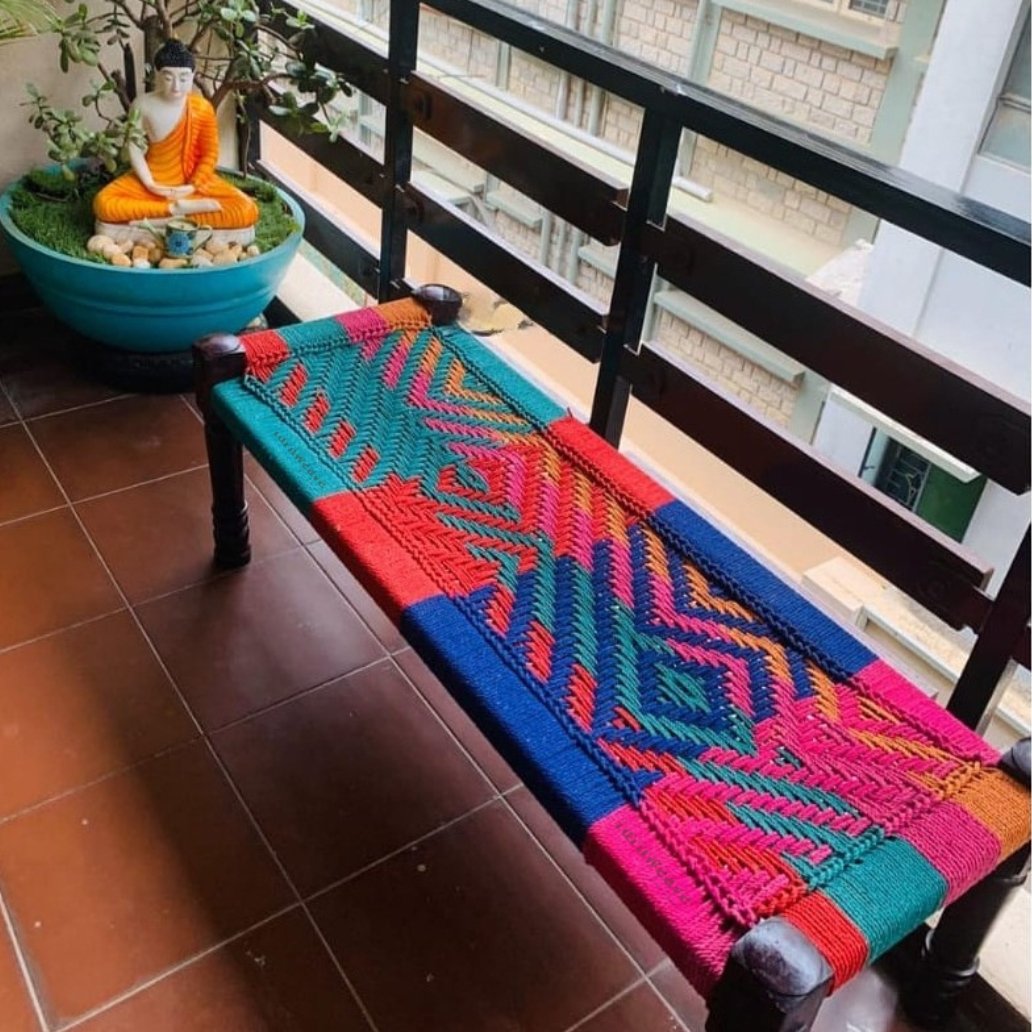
187, 155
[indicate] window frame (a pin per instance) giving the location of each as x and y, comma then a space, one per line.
843, 10
1007, 100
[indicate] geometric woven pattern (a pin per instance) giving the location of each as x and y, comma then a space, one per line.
721, 750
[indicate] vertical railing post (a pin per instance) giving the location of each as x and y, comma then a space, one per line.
397, 148
650, 191
980, 680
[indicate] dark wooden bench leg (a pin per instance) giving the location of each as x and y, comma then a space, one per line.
949, 959
443, 303
775, 981
217, 358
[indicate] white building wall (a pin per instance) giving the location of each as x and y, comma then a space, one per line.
975, 317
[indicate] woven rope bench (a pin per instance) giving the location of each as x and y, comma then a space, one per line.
776, 804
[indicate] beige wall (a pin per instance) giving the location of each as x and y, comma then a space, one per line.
21, 146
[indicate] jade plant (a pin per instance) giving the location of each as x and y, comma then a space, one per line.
247, 52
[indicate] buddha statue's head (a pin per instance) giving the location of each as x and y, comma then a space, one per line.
173, 70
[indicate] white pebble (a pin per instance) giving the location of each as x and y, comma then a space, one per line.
96, 244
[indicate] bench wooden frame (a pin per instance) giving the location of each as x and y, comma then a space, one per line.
775, 980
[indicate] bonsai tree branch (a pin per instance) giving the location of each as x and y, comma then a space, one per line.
244, 86
118, 82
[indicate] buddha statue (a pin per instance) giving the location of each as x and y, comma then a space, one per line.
176, 176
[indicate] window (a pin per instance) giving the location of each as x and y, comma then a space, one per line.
870, 9
920, 486
1008, 136
877, 8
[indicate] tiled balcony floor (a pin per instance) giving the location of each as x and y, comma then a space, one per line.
239, 802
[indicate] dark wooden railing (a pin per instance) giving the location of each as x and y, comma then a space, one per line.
966, 416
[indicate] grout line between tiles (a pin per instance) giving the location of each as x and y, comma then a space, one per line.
147, 983
61, 630
580, 895
39, 804
72, 408
444, 724
140, 483
670, 1007
503, 798
343, 594
642, 982
418, 841
6, 395
30, 515
214, 577
23, 965
279, 703
213, 753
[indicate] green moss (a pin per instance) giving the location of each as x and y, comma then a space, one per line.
58, 213
275, 223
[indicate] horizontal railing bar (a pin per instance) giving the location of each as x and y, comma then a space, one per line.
921, 561
534, 290
346, 159
1023, 651
590, 201
324, 234
364, 68
987, 236
971, 418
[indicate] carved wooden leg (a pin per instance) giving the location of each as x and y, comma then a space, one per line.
217, 358
775, 981
949, 960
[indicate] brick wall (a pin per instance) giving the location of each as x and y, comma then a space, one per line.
806, 80
594, 282
657, 31
761, 390
769, 191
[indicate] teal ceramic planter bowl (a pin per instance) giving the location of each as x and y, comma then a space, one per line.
150, 311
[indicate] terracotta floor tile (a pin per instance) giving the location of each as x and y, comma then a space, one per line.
607, 904
120, 443
498, 771
40, 371
286, 509
344, 775
50, 577
277, 978
114, 883
473, 929
379, 623
7, 413
639, 1011
16, 1011
80, 704
257, 636
26, 485
157, 537
686, 1003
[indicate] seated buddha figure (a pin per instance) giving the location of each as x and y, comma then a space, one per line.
177, 175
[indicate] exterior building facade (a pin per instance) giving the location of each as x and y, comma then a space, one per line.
895, 81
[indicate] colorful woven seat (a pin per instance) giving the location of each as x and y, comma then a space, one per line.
720, 750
